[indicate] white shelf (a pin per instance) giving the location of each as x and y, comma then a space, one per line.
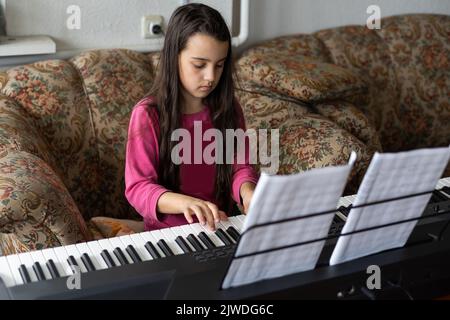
26, 45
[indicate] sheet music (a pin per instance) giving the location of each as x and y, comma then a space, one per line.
282, 197
390, 175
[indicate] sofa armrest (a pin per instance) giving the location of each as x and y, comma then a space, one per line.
18, 131
35, 205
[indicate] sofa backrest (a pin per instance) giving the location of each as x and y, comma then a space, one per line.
81, 108
406, 64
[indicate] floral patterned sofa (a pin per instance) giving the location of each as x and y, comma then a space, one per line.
63, 123
352, 88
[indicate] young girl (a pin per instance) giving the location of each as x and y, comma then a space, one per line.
194, 83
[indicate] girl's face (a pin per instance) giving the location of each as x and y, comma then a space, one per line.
200, 65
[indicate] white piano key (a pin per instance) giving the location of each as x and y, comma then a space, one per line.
236, 223
139, 245
51, 254
224, 225
126, 240
241, 217
116, 243
148, 236
179, 231
170, 240
14, 264
96, 250
26, 259
211, 234
446, 182
340, 203
72, 250
187, 231
158, 235
63, 255
439, 185
39, 257
5, 273
346, 201
83, 248
352, 198
106, 245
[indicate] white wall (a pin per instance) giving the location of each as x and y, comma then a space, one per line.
271, 18
104, 23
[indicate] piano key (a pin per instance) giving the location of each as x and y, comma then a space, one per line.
151, 248
86, 252
87, 261
51, 266
183, 244
233, 233
24, 274
446, 181
108, 258
212, 235
105, 244
140, 246
38, 271
62, 256
158, 235
185, 231
148, 237
439, 185
133, 254
6, 273
241, 218
39, 257
26, 259
50, 254
74, 265
72, 250
180, 231
223, 237
445, 191
162, 244
224, 225
127, 242
121, 256
195, 242
170, 240
206, 240
236, 222
96, 250
346, 202
117, 243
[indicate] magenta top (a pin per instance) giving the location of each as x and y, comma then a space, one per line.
197, 180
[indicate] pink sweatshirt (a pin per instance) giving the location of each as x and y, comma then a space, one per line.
197, 180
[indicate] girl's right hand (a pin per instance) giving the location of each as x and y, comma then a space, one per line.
206, 212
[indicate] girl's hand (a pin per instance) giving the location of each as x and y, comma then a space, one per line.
206, 212
247, 190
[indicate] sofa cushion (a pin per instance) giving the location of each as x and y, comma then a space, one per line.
301, 78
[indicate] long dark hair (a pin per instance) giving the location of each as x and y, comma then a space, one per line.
185, 22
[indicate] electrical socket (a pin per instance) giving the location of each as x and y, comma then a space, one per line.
152, 26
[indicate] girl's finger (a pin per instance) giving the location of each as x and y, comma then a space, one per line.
199, 214
214, 210
223, 216
188, 216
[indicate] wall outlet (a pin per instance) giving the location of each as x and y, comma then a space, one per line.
152, 26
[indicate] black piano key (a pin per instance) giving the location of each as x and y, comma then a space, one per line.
133, 254
38, 271
52, 268
165, 248
183, 245
120, 256
446, 191
24, 274
223, 237
108, 259
87, 262
206, 240
152, 250
195, 243
233, 233
73, 264
436, 196
345, 210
